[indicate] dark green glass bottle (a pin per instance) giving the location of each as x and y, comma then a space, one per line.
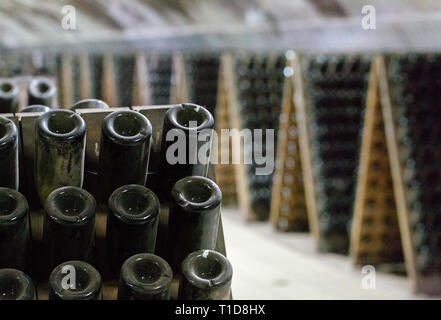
8, 96
59, 154
36, 108
14, 230
75, 280
69, 226
183, 126
16, 285
42, 90
89, 104
145, 276
193, 218
8, 154
124, 151
132, 223
206, 275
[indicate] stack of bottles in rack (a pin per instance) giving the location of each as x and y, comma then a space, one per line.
260, 84
203, 73
68, 240
160, 78
415, 88
335, 91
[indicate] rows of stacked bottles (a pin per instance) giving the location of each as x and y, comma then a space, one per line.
415, 94
260, 82
335, 91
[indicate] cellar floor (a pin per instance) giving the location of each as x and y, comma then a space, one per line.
270, 265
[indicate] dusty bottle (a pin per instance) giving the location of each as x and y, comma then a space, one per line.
8, 96
193, 218
42, 90
85, 282
124, 151
59, 153
8, 154
89, 104
35, 108
145, 277
69, 226
187, 127
206, 275
14, 230
16, 285
132, 223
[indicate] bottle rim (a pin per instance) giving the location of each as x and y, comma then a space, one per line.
89, 292
48, 130
111, 130
128, 193
12, 89
19, 207
42, 87
8, 132
36, 108
172, 116
196, 193
222, 274
55, 210
89, 104
162, 281
23, 282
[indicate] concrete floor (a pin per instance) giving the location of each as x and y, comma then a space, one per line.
270, 265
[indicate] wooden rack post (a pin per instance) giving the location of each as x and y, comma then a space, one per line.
288, 207
375, 235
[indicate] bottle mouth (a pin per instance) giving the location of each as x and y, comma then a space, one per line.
13, 206
36, 108
15, 285
196, 193
146, 273
207, 268
8, 89
188, 116
134, 204
90, 104
127, 127
85, 285
8, 132
42, 88
71, 205
61, 124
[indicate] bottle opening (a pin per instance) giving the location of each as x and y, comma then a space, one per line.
207, 267
10, 288
43, 87
126, 125
70, 204
6, 87
7, 204
82, 280
196, 192
61, 123
147, 271
134, 203
190, 113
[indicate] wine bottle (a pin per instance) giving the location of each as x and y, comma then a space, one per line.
188, 130
124, 151
75, 280
8, 154
16, 285
14, 230
8, 96
59, 153
206, 275
69, 226
145, 276
132, 223
193, 218
42, 90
